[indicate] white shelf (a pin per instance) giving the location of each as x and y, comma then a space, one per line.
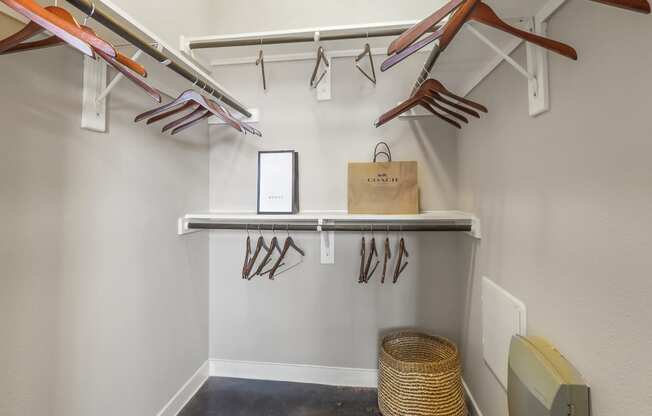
332, 218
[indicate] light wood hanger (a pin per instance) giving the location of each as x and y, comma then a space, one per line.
31, 29
59, 27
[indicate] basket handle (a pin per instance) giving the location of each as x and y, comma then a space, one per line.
387, 154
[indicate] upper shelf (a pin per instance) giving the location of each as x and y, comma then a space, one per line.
244, 220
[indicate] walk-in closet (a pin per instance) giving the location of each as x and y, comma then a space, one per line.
302, 208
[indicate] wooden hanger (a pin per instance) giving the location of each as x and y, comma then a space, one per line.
61, 28
191, 122
400, 267
272, 246
172, 112
387, 257
411, 50
366, 53
640, 6
247, 255
481, 13
418, 30
194, 97
430, 89
485, 15
373, 252
32, 29
289, 243
321, 57
260, 245
363, 256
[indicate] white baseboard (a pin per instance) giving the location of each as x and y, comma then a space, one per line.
471, 400
185, 393
313, 374
297, 373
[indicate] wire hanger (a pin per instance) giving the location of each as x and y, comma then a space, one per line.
321, 57
367, 52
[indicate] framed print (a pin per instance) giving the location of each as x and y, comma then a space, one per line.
278, 180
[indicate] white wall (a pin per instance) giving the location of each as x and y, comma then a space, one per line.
318, 314
103, 309
565, 205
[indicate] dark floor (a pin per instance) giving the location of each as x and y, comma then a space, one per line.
236, 397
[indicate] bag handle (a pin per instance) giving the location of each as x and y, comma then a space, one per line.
387, 154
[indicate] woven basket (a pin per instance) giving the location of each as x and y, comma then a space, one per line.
420, 375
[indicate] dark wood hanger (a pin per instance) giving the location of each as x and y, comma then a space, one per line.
440, 107
421, 28
178, 122
289, 243
485, 15
247, 255
400, 267
366, 53
435, 86
640, 6
411, 50
430, 89
387, 257
260, 245
272, 246
196, 98
61, 28
363, 256
321, 57
373, 252
191, 122
184, 107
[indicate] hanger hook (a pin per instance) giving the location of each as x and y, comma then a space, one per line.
287, 229
274, 229
91, 14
